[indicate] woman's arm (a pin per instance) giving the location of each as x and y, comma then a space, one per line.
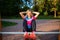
22, 14
37, 13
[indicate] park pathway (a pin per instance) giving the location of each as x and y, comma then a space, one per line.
41, 25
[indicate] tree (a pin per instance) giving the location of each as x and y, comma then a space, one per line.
9, 7
54, 2
39, 4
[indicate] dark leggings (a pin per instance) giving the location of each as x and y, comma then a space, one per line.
33, 27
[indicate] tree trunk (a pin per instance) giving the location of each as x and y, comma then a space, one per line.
55, 13
0, 29
59, 34
59, 37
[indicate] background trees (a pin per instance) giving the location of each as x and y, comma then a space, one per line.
45, 7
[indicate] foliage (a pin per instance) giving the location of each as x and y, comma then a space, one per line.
45, 13
9, 7
13, 7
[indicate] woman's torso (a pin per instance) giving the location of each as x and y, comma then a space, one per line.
29, 21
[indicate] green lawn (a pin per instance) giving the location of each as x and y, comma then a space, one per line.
47, 17
39, 17
6, 23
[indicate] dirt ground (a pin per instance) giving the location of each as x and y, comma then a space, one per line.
41, 25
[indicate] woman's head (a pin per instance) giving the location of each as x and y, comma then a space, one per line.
29, 12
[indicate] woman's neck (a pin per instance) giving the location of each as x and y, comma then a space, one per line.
29, 16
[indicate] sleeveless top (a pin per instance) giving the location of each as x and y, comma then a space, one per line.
29, 20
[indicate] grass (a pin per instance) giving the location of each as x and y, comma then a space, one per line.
6, 23
47, 17
39, 17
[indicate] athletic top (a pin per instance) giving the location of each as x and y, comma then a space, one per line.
29, 20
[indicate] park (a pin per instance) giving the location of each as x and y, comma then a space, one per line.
47, 21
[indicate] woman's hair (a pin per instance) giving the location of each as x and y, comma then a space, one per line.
30, 10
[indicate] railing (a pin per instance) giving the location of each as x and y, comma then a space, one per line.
30, 32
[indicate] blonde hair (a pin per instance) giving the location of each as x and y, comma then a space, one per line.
30, 11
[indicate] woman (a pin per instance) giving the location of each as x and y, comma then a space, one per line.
29, 20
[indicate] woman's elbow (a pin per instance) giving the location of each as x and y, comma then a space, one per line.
38, 13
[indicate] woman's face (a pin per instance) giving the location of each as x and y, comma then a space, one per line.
29, 13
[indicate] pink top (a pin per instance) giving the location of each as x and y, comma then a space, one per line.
29, 21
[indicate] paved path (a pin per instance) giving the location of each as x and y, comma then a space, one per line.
42, 25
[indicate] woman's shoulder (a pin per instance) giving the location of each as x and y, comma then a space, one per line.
33, 17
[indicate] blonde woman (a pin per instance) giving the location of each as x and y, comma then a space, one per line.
29, 24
